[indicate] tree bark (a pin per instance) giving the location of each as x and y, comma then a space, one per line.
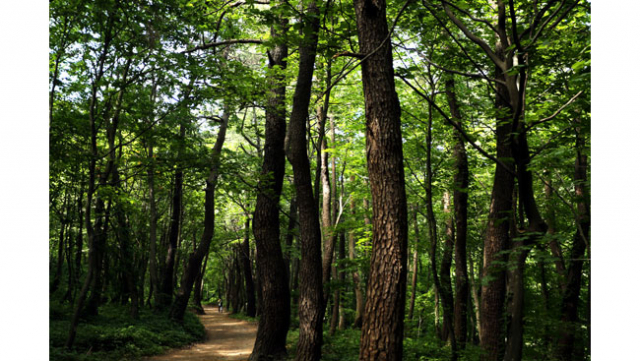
383, 321
497, 235
274, 302
311, 304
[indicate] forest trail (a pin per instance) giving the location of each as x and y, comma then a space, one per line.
227, 339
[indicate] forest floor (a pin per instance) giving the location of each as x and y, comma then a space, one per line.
227, 339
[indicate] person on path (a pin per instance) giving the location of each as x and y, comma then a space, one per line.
219, 305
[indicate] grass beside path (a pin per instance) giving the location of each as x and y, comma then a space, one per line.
112, 335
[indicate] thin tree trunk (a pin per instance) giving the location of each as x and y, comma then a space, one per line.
414, 268
460, 201
383, 321
445, 275
166, 288
246, 265
153, 226
179, 305
357, 323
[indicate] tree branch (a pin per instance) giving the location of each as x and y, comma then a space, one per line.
457, 126
224, 42
556, 112
485, 47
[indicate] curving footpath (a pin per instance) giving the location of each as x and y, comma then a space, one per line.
227, 339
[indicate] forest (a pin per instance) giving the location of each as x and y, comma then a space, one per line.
346, 180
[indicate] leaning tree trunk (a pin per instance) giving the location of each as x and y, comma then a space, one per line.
311, 304
274, 300
383, 322
179, 305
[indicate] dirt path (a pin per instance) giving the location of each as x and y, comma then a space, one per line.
227, 340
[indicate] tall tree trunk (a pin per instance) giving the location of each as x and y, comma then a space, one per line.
414, 268
274, 291
445, 275
94, 251
460, 201
60, 257
194, 263
442, 286
153, 226
341, 277
497, 235
246, 266
291, 228
475, 296
327, 233
571, 295
166, 288
383, 321
311, 304
357, 323
169, 269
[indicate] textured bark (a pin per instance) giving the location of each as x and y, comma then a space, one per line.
179, 305
271, 269
497, 235
311, 304
383, 321
460, 201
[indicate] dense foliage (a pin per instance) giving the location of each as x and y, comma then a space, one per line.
156, 105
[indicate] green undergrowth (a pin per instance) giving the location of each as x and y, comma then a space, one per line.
345, 346
113, 335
